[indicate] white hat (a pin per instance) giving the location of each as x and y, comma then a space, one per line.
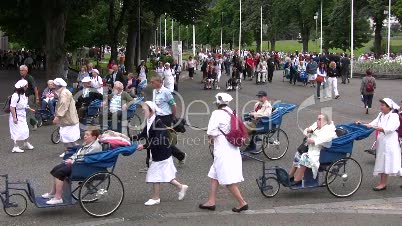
391, 103
86, 79
223, 98
59, 82
167, 63
21, 83
96, 71
153, 106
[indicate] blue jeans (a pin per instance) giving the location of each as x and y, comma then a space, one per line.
49, 105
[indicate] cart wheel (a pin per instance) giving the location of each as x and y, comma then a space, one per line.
39, 119
134, 126
344, 177
276, 144
55, 137
101, 194
17, 204
269, 186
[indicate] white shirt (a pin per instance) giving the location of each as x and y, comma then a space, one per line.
168, 79
97, 83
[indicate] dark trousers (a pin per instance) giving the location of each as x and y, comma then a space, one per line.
176, 86
318, 88
168, 121
368, 100
270, 74
191, 72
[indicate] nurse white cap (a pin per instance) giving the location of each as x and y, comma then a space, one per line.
86, 79
391, 103
21, 83
96, 71
223, 98
59, 82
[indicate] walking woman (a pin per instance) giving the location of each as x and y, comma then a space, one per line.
19, 130
227, 166
321, 76
161, 169
332, 80
388, 156
367, 89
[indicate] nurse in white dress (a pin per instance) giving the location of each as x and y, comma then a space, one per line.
227, 166
18, 121
388, 157
161, 169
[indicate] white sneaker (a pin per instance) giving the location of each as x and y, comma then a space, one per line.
54, 201
34, 127
183, 191
47, 196
17, 150
28, 146
152, 202
62, 155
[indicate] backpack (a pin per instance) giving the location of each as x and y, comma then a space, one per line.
238, 133
369, 86
6, 107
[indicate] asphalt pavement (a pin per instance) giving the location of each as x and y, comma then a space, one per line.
306, 207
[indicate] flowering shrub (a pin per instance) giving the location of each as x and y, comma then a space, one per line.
379, 67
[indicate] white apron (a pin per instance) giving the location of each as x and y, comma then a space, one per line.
161, 172
227, 165
19, 131
388, 157
70, 134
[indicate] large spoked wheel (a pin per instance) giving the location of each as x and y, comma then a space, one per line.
269, 186
344, 177
276, 144
101, 194
55, 137
17, 204
134, 126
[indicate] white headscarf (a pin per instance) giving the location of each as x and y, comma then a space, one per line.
391, 103
223, 98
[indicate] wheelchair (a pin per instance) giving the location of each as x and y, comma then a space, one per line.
92, 184
44, 115
340, 173
233, 84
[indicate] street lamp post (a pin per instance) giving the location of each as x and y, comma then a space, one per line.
240, 30
389, 28
165, 30
351, 37
172, 34
321, 29
261, 32
193, 40
316, 26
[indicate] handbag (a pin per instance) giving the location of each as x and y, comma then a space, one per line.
320, 79
303, 147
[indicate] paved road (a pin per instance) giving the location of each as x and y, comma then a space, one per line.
35, 165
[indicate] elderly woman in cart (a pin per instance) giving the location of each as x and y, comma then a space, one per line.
63, 170
161, 169
388, 156
227, 166
319, 135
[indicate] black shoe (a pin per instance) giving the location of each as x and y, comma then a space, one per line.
245, 207
250, 149
212, 208
296, 183
371, 151
366, 111
380, 189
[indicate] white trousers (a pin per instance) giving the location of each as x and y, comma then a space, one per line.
262, 76
332, 85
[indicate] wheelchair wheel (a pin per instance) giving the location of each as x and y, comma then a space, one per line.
101, 194
259, 140
55, 137
134, 126
276, 144
269, 186
344, 177
17, 204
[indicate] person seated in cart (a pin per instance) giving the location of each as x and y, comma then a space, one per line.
262, 108
89, 94
49, 97
63, 170
319, 135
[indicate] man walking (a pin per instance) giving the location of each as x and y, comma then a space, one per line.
32, 93
345, 63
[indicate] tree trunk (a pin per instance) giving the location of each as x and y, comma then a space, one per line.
55, 20
257, 41
377, 37
305, 37
114, 28
272, 41
130, 48
146, 40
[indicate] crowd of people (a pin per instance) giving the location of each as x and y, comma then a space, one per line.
119, 88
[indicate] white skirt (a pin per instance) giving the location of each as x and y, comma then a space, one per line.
161, 172
312, 77
19, 131
69, 134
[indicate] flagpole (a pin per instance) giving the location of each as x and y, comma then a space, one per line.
321, 28
193, 40
222, 33
351, 37
389, 28
240, 31
165, 30
261, 32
